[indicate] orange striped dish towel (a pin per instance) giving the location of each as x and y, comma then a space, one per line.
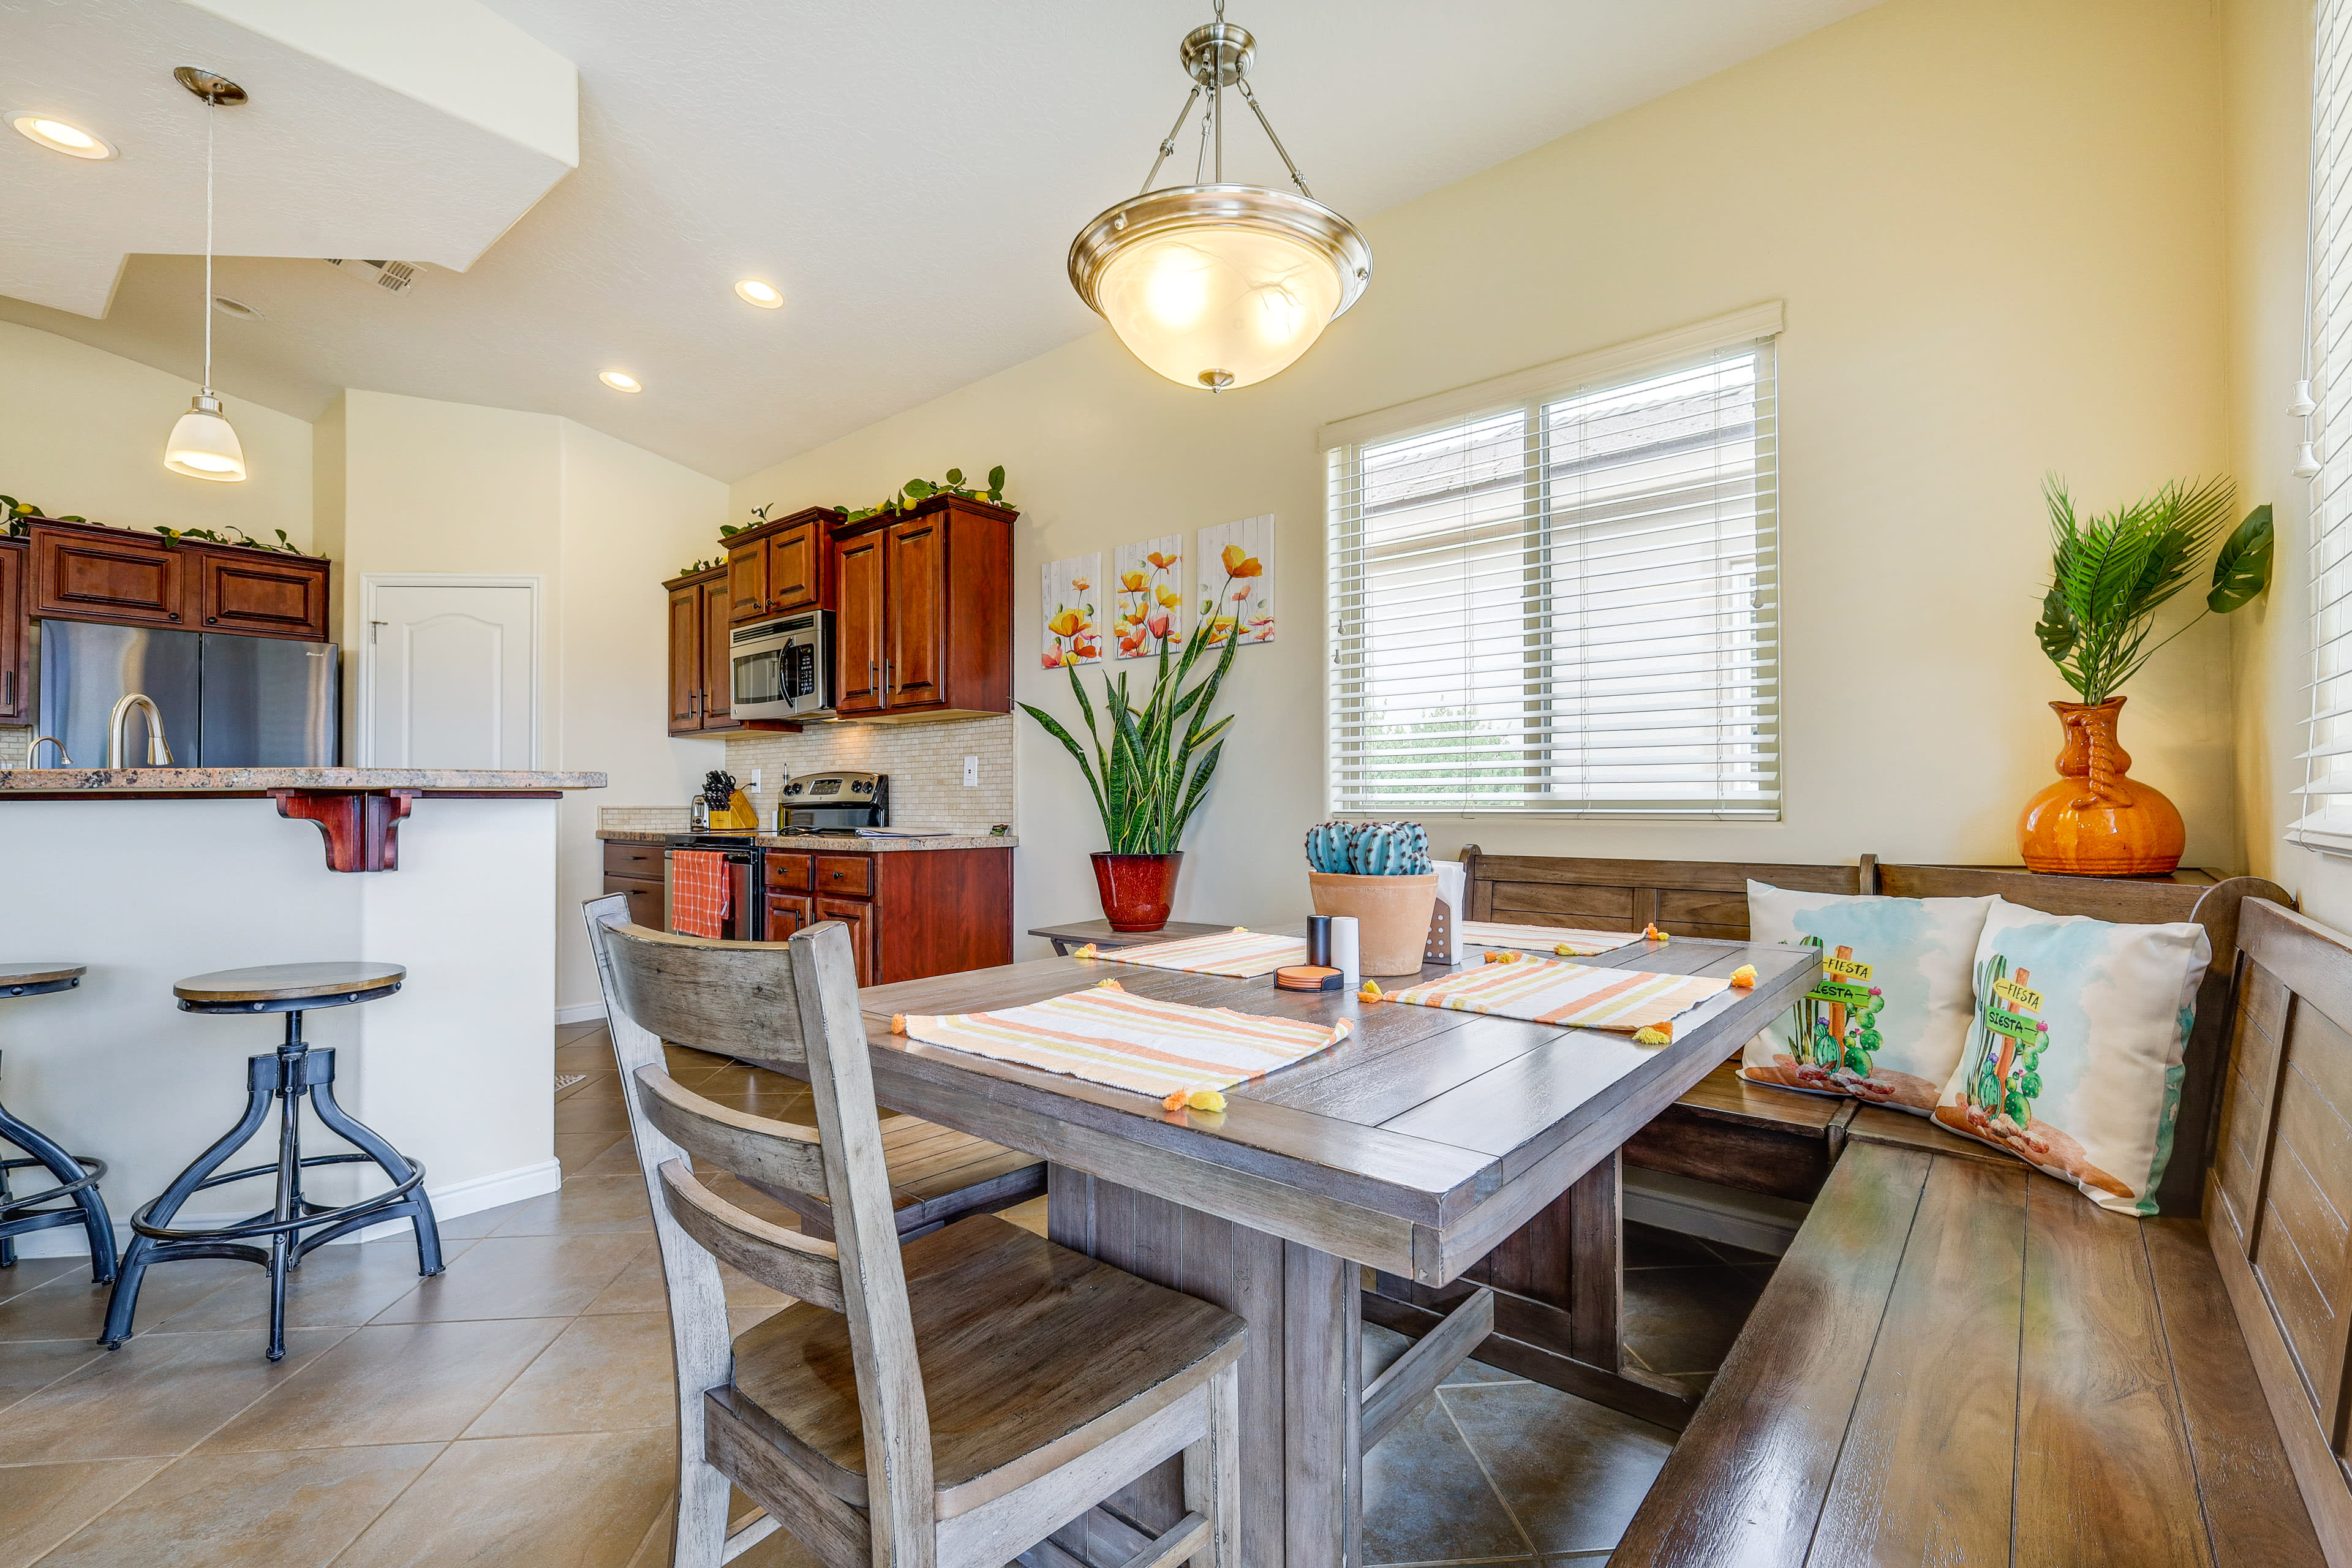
698, 892
1546, 939
1107, 1035
1240, 954
1573, 995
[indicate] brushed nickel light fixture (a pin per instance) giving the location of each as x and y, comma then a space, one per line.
204, 445
1211, 284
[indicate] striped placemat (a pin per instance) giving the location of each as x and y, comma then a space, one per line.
1547, 939
1573, 996
1109, 1036
1239, 954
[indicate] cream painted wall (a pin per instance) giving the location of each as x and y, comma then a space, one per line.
1996, 225
82, 431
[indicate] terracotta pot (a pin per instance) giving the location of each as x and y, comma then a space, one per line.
1137, 889
2096, 822
1391, 916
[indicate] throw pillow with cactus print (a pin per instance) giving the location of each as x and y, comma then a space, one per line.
1891, 1013
2073, 1056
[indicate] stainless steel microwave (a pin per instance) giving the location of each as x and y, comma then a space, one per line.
783, 667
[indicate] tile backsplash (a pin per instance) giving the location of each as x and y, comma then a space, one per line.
925, 762
16, 741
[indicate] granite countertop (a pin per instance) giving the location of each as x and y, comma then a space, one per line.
253, 781
835, 844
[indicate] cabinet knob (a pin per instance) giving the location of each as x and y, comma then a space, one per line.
212, 620
176, 614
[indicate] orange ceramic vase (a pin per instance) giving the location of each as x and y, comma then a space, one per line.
2095, 821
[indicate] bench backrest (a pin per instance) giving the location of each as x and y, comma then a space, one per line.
1694, 898
2282, 1190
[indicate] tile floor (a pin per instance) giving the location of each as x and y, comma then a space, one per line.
518, 1411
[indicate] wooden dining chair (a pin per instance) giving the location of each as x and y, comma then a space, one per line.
946, 1403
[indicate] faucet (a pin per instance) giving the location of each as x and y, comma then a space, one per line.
33, 753
159, 755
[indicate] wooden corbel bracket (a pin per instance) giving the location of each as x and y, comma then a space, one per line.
361, 829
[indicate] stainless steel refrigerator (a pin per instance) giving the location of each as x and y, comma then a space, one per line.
228, 702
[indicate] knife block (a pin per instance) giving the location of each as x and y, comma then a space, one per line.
739, 816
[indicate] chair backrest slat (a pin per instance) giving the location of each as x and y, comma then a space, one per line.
730, 998
779, 1259
763, 1152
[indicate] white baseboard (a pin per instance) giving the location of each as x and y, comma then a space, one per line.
1751, 1220
448, 1203
580, 1012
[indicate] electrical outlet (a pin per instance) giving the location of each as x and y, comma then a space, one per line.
972, 772
754, 784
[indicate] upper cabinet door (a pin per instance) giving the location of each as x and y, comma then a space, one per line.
249, 592
15, 697
796, 568
685, 659
858, 630
917, 657
747, 581
87, 576
717, 656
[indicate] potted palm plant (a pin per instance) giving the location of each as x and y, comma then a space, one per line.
2109, 574
1151, 772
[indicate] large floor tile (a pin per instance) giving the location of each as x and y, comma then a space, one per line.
581, 1153
1573, 1471
584, 1501
159, 1395
71, 1308
603, 1084
32, 1273
249, 1511
590, 1116
619, 1158
780, 1548
519, 1276
586, 1205
610, 1373
481, 1222
28, 1366
392, 1382
1426, 1500
335, 1286
41, 1505
1684, 1320
584, 1055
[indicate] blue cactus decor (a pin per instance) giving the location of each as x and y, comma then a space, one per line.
1369, 849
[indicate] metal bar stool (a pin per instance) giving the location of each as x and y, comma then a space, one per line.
77, 1174
292, 1071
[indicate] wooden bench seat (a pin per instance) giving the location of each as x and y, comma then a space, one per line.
1746, 1135
1962, 1361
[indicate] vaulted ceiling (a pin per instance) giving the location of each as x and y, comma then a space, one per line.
908, 175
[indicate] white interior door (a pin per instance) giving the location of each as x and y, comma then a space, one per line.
450, 678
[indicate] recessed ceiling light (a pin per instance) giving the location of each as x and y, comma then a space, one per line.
767, 296
620, 381
236, 308
58, 136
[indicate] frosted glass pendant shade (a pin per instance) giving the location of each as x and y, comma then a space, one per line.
1219, 285
204, 445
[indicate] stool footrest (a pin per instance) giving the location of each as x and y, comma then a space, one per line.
269, 1224
9, 1204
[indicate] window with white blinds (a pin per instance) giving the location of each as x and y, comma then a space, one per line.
1566, 605
2327, 789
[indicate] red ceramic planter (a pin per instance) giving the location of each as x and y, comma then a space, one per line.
1137, 889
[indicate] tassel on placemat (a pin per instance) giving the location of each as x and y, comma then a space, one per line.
1744, 976
897, 1023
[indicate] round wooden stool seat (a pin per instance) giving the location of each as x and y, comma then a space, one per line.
287, 987
32, 979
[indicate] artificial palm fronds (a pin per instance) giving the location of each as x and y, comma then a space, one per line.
1151, 772
2109, 574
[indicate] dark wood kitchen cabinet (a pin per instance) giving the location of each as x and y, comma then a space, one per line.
701, 676
251, 592
80, 572
638, 871
926, 624
781, 566
15, 691
910, 912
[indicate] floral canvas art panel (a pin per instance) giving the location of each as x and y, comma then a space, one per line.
1233, 563
1147, 597
1067, 594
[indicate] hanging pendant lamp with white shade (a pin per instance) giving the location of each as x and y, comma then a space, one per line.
204, 445
1215, 285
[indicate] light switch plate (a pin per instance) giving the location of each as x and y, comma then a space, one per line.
972, 772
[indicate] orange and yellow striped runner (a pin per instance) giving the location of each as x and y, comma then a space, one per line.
1107, 1035
1573, 995
1546, 939
1238, 953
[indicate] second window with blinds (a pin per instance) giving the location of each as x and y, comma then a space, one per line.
1566, 604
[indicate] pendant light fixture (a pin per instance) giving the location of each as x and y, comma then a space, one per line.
1216, 285
204, 445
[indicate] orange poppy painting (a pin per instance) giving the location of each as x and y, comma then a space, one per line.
1067, 598
1147, 612
1236, 580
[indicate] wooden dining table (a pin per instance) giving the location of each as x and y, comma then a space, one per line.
1414, 1147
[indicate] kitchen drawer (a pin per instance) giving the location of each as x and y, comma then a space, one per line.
846, 876
788, 873
648, 900
633, 860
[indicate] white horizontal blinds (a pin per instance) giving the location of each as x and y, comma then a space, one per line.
2327, 762
1567, 605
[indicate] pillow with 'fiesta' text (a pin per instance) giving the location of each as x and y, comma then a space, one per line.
2074, 1058
1888, 1020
